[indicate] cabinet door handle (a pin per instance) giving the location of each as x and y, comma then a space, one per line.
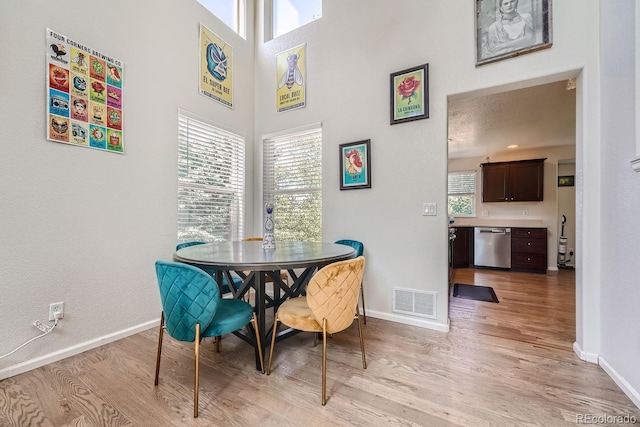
528, 259
528, 243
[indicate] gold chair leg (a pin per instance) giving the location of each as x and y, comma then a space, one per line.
364, 311
258, 342
159, 347
324, 362
196, 374
364, 359
273, 341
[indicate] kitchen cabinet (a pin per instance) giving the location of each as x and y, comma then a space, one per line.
518, 181
529, 250
462, 248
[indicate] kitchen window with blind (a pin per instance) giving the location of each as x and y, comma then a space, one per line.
462, 193
292, 181
210, 181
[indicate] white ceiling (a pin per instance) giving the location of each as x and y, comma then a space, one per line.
536, 116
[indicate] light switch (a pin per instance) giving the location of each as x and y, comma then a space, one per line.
429, 209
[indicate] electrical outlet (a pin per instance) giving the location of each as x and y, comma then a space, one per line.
56, 310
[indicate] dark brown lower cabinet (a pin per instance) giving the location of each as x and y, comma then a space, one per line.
462, 251
529, 250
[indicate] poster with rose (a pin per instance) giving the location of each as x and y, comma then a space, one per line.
84, 95
410, 94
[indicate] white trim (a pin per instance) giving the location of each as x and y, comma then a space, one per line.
632, 393
28, 365
583, 355
299, 129
634, 162
436, 326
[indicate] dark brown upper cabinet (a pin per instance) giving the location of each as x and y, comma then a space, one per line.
519, 181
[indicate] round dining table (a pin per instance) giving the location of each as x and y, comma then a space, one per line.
253, 264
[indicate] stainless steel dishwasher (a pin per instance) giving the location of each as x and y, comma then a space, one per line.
492, 247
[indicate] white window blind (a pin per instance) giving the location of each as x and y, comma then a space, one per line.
292, 177
462, 190
210, 181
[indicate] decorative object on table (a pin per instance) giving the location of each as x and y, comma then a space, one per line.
566, 181
508, 28
355, 165
330, 306
359, 248
291, 78
194, 310
410, 94
474, 292
216, 68
268, 240
84, 95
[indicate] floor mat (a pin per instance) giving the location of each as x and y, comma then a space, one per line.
478, 293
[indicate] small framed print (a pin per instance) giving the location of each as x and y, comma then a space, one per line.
410, 94
355, 165
566, 181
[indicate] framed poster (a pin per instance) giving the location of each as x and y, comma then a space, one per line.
84, 95
410, 94
508, 28
216, 71
566, 181
355, 165
291, 78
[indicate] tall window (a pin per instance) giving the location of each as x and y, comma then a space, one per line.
292, 174
291, 14
462, 193
231, 12
210, 181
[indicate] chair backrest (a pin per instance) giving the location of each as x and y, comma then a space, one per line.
358, 246
187, 244
333, 291
189, 296
252, 239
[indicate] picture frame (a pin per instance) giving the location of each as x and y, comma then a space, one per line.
409, 94
496, 25
566, 181
355, 165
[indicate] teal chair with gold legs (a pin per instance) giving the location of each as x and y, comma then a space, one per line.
359, 247
192, 309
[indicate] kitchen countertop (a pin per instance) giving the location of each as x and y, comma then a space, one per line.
483, 222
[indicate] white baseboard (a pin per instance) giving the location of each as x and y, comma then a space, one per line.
583, 355
28, 365
632, 393
407, 320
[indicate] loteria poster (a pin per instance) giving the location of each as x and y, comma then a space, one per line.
291, 78
215, 68
84, 95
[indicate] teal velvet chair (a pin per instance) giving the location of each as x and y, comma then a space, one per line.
237, 281
359, 247
192, 309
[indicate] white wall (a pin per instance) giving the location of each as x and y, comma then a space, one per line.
349, 60
84, 226
620, 291
539, 214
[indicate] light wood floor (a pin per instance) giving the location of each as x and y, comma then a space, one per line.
505, 364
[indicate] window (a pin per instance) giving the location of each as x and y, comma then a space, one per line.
231, 12
462, 193
210, 181
293, 183
291, 14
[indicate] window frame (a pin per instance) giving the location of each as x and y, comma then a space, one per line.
271, 18
201, 145
463, 194
240, 16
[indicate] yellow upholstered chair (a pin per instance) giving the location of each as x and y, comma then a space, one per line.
330, 306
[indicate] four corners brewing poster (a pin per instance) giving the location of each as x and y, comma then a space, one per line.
215, 67
291, 79
84, 95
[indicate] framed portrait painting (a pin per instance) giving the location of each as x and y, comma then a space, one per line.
410, 94
508, 28
355, 165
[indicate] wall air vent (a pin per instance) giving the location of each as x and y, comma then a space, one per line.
416, 303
